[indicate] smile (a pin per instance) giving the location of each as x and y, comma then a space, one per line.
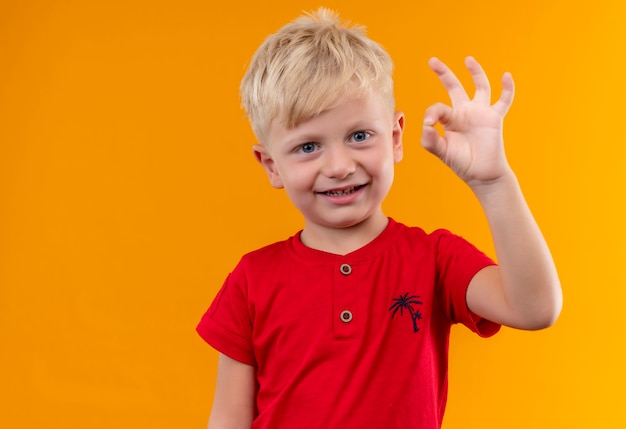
343, 192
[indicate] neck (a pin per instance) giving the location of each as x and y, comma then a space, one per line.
343, 240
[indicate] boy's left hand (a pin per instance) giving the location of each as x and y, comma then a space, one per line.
472, 144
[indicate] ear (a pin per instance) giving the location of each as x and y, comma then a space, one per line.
398, 129
263, 156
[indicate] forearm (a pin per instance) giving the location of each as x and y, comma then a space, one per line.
524, 291
233, 402
530, 288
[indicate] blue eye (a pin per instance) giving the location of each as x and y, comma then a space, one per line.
360, 136
308, 147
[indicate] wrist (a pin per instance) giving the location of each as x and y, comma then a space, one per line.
502, 186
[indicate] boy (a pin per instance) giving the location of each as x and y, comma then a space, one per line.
346, 324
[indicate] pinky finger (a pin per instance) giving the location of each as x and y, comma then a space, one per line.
506, 98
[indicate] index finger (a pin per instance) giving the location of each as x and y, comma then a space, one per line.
449, 80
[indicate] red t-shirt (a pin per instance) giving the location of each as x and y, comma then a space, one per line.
352, 342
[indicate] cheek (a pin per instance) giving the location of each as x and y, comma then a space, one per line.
388, 174
296, 177
383, 162
384, 169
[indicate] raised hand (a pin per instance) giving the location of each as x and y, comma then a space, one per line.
471, 144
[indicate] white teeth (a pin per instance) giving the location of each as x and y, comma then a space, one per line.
342, 192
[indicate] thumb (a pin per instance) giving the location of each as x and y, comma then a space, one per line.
431, 140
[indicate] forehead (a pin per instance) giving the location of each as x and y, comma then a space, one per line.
348, 114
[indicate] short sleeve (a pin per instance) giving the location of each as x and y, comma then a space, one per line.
458, 261
226, 325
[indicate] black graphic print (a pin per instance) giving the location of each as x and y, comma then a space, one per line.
406, 302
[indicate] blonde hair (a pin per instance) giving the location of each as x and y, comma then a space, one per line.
308, 66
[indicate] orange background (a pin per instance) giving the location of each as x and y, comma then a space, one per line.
128, 191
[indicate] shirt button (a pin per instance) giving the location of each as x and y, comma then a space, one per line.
346, 316
345, 269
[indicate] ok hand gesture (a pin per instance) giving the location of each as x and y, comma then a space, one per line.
471, 144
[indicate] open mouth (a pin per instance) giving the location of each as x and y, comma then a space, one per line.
343, 192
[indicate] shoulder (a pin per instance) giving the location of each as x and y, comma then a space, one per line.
415, 236
441, 244
270, 250
417, 233
266, 257
447, 241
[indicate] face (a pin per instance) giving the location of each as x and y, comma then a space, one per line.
337, 167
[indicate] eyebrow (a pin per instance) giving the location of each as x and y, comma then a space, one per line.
358, 125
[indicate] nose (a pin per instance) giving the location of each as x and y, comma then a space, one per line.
339, 162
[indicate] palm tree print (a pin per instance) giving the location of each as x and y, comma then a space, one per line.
406, 302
